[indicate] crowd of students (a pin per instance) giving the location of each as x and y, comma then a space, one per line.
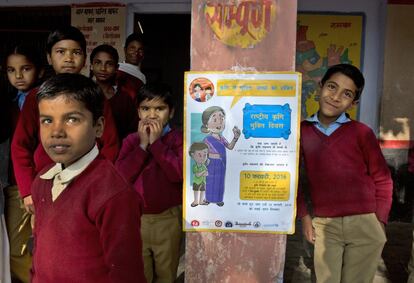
96, 170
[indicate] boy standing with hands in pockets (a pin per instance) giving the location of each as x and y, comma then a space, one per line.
349, 182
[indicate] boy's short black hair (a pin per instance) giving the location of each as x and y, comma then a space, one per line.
133, 37
156, 91
77, 87
351, 72
66, 33
107, 49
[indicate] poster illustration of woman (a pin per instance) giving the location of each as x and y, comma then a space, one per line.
214, 120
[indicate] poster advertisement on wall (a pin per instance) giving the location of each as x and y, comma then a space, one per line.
101, 23
241, 140
323, 40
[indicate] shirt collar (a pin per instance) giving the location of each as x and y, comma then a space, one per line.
66, 175
166, 130
343, 118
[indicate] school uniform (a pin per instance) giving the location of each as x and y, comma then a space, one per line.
351, 192
130, 79
87, 224
157, 175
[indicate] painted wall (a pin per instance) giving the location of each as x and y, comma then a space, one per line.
375, 11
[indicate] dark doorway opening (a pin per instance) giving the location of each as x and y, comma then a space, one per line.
167, 52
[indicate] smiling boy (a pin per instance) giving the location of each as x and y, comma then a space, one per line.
349, 184
87, 216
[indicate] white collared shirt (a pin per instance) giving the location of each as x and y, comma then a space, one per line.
62, 178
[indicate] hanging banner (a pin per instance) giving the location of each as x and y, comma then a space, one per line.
101, 23
323, 40
241, 151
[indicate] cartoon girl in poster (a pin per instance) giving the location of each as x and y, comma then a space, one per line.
214, 119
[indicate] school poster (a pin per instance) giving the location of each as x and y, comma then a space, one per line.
324, 40
241, 144
100, 23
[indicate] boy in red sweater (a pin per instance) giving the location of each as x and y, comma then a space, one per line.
66, 52
349, 184
87, 216
152, 160
104, 64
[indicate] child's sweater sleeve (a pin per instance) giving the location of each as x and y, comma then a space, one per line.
132, 158
119, 228
169, 157
378, 170
108, 143
24, 143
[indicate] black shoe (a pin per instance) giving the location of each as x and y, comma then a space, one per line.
220, 203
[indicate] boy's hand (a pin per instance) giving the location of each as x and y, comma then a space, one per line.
28, 204
143, 133
155, 130
307, 229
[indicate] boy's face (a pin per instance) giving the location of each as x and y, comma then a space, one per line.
200, 156
134, 53
336, 96
67, 130
103, 67
66, 57
155, 109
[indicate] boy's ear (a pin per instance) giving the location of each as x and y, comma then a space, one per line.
41, 73
49, 60
99, 126
172, 113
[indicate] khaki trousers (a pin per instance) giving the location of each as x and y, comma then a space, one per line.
161, 237
347, 249
19, 230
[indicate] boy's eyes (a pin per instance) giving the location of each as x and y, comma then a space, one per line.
45, 121
10, 70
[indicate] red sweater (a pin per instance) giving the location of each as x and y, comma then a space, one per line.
157, 174
346, 171
91, 232
125, 114
28, 154
128, 84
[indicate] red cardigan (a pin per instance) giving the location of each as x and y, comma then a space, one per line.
346, 171
128, 84
28, 154
157, 174
125, 114
91, 232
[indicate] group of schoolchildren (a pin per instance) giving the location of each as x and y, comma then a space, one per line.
99, 169
95, 168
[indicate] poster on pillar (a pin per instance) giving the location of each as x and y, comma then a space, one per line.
100, 23
241, 143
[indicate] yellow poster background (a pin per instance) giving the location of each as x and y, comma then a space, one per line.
324, 40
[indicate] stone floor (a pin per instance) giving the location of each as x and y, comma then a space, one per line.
395, 257
298, 264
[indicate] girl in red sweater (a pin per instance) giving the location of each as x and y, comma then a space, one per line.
24, 72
